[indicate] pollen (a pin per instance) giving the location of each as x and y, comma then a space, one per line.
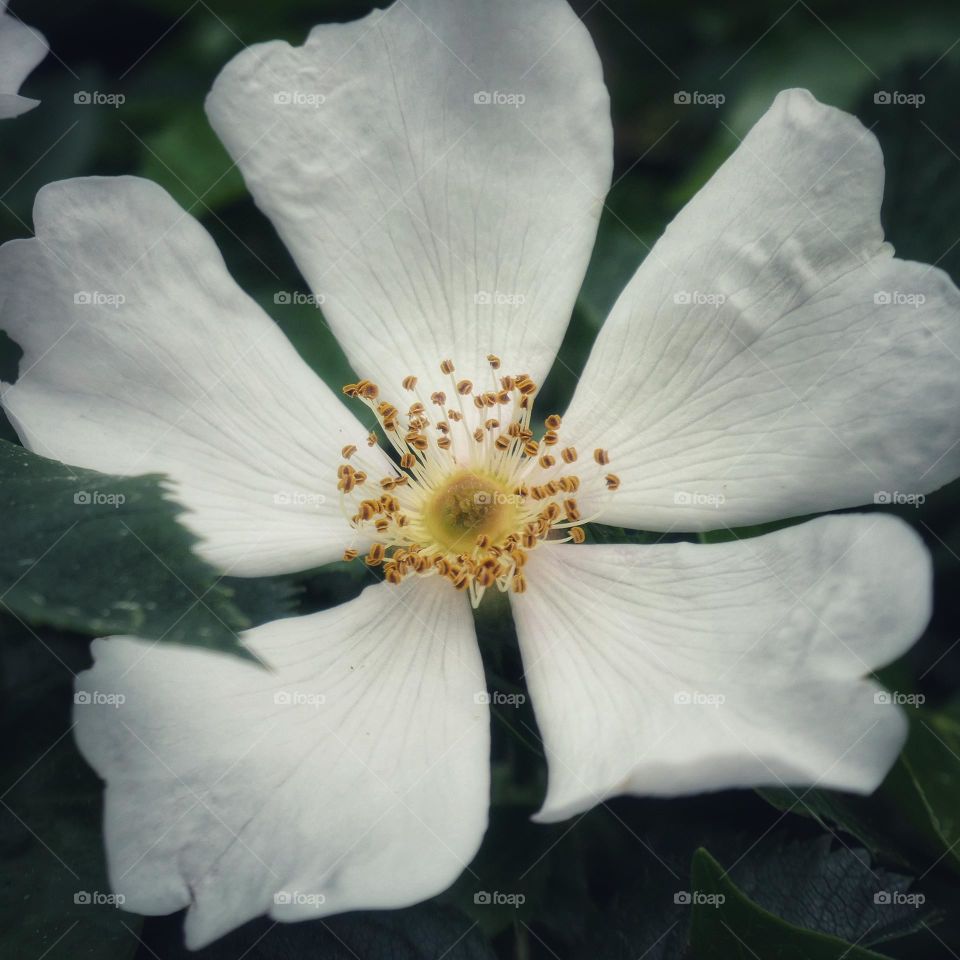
473, 490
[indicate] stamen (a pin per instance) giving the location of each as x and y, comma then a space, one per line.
467, 508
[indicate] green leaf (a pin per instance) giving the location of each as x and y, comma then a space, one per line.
727, 924
186, 158
862, 817
99, 554
602, 533
925, 784
832, 890
262, 599
725, 534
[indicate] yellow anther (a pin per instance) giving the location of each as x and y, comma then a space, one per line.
551, 512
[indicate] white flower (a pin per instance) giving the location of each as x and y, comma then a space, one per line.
437, 171
21, 49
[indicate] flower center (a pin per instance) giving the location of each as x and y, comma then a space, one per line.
473, 491
469, 506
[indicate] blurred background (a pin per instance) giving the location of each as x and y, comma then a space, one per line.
122, 92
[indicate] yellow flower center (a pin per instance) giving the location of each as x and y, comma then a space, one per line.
473, 491
468, 506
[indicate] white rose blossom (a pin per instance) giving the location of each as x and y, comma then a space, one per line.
437, 171
21, 49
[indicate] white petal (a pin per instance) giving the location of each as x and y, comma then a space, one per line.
142, 355
434, 226
353, 774
628, 651
799, 392
21, 49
